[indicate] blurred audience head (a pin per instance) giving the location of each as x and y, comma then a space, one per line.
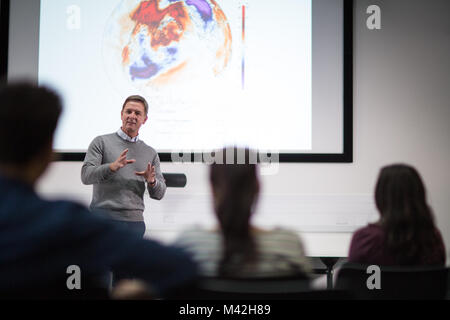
235, 187
400, 192
29, 115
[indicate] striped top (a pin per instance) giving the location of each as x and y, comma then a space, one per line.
280, 252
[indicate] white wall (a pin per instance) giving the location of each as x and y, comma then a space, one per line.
401, 114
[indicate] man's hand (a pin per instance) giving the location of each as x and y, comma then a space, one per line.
121, 161
149, 174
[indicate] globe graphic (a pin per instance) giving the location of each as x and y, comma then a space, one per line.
155, 45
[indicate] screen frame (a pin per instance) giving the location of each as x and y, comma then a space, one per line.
4, 36
345, 157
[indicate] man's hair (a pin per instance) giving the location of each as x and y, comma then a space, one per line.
136, 98
28, 118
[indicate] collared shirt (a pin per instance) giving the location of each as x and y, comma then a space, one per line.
126, 137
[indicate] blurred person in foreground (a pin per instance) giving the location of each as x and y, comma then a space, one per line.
41, 239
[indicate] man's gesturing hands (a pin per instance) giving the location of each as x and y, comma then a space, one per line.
149, 174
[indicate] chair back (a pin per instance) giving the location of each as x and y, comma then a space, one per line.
394, 282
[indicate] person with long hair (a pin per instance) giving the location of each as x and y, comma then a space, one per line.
405, 233
236, 248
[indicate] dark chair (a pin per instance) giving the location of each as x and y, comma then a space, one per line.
396, 282
279, 288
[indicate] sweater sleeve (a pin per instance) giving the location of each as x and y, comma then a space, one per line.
93, 171
159, 189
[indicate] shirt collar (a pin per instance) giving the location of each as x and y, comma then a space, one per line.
126, 137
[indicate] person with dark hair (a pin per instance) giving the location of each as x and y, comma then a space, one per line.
236, 248
121, 166
42, 242
405, 233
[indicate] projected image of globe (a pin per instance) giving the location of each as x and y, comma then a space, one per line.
158, 43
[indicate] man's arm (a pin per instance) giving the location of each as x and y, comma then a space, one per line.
158, 189
156, 184
93, 171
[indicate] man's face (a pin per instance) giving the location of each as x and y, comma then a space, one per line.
133, 117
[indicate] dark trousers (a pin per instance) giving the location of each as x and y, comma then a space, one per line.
137, 227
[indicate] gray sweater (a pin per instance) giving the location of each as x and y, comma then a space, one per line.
120, 193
